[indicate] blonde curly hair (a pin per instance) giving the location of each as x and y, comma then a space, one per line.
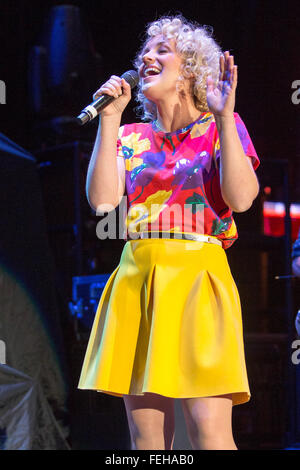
200, 53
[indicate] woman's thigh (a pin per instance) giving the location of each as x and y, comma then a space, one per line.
151, 420
209, 422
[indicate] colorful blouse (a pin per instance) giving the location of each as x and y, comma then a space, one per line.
172, 179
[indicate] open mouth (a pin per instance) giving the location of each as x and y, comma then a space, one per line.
150, 72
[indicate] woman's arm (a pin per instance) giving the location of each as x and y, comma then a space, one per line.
238, 180
105, 182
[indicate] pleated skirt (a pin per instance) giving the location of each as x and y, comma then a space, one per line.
168, 322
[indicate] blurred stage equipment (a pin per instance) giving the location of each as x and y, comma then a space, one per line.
26, 417
33, 390
86, 293
63, 69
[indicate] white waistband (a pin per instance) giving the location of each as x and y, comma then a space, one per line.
180, 236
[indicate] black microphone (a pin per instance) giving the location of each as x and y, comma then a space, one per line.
93, 109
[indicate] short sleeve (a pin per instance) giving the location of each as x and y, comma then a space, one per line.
246, 142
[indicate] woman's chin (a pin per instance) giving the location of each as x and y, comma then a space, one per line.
151, 92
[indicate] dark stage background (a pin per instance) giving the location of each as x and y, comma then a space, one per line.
264, 38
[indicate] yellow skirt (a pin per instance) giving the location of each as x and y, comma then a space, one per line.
168, 322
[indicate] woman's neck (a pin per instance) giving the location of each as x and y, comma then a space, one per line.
171, 117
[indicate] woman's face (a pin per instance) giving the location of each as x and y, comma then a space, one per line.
160, 68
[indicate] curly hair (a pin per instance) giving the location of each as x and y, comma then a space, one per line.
200, 53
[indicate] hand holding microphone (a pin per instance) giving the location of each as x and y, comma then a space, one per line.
111, 98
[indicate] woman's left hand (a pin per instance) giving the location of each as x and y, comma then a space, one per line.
221, 98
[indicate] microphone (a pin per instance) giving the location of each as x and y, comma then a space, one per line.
93, 109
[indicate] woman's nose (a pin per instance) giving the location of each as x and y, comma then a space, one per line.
148, 58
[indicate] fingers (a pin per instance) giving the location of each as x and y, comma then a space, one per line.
222, 67
209, 84
126, 87
113, 87
234, 76
228, 70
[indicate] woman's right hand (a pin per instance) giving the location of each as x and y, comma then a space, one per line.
120, 90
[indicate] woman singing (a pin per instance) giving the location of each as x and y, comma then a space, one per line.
169, 323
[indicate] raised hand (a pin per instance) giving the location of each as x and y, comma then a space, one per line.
221, 98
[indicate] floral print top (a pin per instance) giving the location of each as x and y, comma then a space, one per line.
172, 179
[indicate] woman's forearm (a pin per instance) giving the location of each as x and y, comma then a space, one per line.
102, 177
238, 181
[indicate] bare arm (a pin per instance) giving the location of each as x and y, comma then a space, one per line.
238, 180
105, 182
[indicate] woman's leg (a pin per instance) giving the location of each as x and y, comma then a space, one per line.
151, 421
209, 422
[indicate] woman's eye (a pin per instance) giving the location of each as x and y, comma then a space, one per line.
163, 50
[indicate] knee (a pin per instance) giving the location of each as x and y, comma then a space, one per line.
151, 422
209, 436
212, 441
148, 438
151, 435
199, 432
